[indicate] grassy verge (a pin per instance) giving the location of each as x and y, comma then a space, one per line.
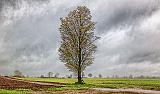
17, 91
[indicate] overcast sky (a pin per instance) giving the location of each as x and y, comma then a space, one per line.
129, 31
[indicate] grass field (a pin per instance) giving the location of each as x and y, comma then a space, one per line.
152, 84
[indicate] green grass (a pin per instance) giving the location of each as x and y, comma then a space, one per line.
61, 80
103, 83
74, 87
17, 91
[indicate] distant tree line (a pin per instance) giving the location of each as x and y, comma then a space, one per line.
51, 75
18, 73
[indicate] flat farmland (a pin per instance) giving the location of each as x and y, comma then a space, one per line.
151, 84
91, 86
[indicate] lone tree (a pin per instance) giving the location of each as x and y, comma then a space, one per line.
100, 75
18, 73
77, 41
50, 74
90, 75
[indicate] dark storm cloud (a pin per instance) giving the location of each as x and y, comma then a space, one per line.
154, 57
125, 13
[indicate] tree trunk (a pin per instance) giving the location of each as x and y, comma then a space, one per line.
79, 65
79, 68
79, 76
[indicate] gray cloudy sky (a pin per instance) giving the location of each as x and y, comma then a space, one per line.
129, 31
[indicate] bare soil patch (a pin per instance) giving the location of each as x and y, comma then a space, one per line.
11, 83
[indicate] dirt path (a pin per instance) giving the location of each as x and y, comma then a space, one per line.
80, 92
136, 91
